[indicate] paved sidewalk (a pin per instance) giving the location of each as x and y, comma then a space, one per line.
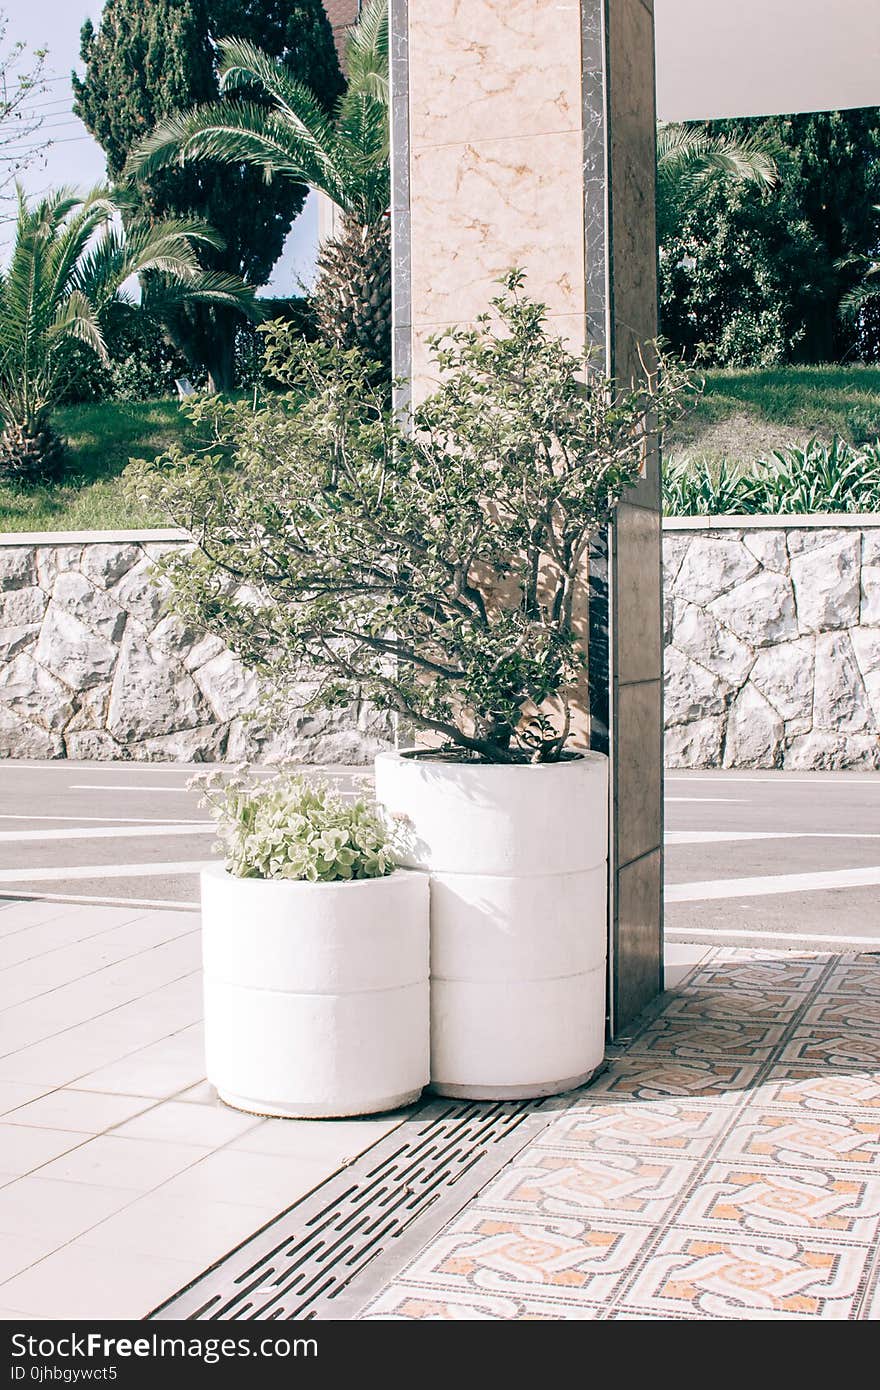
122, 1176
726, 1166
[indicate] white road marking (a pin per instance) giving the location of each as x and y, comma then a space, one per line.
786, 779
711, 837
119, 832
106, 787
107, 820
728, 800
60, 875
769, 884
10, 899
783, 940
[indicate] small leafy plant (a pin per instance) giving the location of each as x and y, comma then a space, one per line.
294, 827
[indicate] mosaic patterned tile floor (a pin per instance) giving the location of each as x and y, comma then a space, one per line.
727, 1165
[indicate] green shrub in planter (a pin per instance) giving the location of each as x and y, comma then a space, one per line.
294, 827
431, 561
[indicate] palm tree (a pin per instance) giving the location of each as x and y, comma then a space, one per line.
70, 261
283, 130
867, 290
690, 160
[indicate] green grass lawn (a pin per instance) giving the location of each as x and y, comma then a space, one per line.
102, 438
742, 416
745, 413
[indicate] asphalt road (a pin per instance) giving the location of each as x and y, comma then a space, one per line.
749, 856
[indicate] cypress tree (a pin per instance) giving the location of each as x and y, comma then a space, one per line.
150, 58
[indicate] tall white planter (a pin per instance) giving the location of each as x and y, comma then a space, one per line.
517, 858
316, 994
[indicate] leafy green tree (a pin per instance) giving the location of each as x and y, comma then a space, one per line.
829, 168
741, 277
431, 564
69, 267
691, 161
279, 128
147, 60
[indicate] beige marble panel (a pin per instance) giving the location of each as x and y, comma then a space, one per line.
478, 209
497, 68
568, 327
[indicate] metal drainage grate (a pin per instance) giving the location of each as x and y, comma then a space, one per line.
329, 1254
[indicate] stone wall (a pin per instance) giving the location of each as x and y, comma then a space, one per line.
772, 632
92, 666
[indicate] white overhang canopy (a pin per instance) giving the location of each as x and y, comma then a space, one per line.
718, 58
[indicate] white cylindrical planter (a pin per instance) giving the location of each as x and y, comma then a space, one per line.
316, 994
517, 856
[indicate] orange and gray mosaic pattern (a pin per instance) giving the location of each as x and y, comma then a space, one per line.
727, 1165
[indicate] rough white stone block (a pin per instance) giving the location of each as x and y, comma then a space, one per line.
22, 607
841, 703
784, 675
229, 689
769, 548
17, 639
17, 569
711, 567
152, 694
691, 691
760, 612
105, 565
701, 637
754, 732
826, 585
869, 613
34, 694
697, 744
810, 538
73, 652
19, 738
93, 607
866, 645
818, 752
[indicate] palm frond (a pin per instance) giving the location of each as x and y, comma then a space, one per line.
366, 53
163, 294
239, 133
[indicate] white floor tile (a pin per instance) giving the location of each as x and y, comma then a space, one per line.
201, 1094
248, 1179
20, 1252
26, 1147
333, 1142
78, 1282
40, 1207
87, 1111
14, 1093
160, 1070
161, 1225
204, 1125
132, 1164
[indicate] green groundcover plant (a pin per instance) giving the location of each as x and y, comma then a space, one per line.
431, 560
294, 827
820, 477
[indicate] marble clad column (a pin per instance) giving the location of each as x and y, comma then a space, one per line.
523, 134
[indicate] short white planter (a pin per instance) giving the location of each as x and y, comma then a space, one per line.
316, 994
517, 858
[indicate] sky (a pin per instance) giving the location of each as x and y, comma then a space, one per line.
69, 155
